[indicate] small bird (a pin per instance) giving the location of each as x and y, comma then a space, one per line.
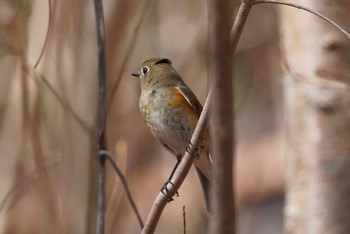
171, 112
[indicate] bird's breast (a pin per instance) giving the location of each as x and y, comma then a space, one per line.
168, 118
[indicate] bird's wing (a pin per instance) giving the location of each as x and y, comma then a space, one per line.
195, 104
190, 98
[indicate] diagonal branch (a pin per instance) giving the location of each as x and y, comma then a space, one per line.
238, 25
111, 159
19, 190
49, 26
63, 102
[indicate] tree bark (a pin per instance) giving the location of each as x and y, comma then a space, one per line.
222, 119
317, 98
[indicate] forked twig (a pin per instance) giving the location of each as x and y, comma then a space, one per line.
111, 159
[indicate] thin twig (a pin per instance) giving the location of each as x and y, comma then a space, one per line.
101, 69
129, 51
334, 24
101, 197
47, 35
111, 159
64, 103
181, 172
101, 115
240, 20
184, 218
19, 190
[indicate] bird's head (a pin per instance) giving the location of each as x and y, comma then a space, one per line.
156, 71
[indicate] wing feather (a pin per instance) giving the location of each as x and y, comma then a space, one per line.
190, 98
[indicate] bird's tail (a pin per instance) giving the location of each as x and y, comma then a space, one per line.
206, 184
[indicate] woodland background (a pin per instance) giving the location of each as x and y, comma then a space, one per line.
48, 112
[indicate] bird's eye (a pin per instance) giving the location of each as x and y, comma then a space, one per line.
145, 70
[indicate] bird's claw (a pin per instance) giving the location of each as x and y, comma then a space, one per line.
165, 191
191, 151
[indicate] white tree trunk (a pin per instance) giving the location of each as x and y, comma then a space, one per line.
318, 117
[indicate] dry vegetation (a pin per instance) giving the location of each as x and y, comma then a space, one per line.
48, 113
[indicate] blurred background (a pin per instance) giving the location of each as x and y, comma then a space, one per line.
48, 169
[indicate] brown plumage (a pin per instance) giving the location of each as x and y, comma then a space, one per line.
171, 111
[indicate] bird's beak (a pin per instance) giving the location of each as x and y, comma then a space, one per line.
136, 74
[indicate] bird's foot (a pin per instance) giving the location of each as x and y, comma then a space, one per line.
192, 151
165, 191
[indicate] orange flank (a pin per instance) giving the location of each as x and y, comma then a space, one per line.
180, 100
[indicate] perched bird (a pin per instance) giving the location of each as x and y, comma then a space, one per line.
171, 112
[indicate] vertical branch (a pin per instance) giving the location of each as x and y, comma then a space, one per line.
222, 44
101, 118
220, 72
101, 70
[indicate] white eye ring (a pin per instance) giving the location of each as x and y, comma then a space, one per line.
145, 70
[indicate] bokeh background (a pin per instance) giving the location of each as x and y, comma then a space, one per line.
48, 169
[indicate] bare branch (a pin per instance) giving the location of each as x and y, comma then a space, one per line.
64, 103
101, 115
47, 35
220, 72
184, 217
111, 159
144, 10
325, 18
241, 18
19, 190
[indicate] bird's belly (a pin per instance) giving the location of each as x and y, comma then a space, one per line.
169, 125
173, 131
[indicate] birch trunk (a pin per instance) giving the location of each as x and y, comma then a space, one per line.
318, 118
